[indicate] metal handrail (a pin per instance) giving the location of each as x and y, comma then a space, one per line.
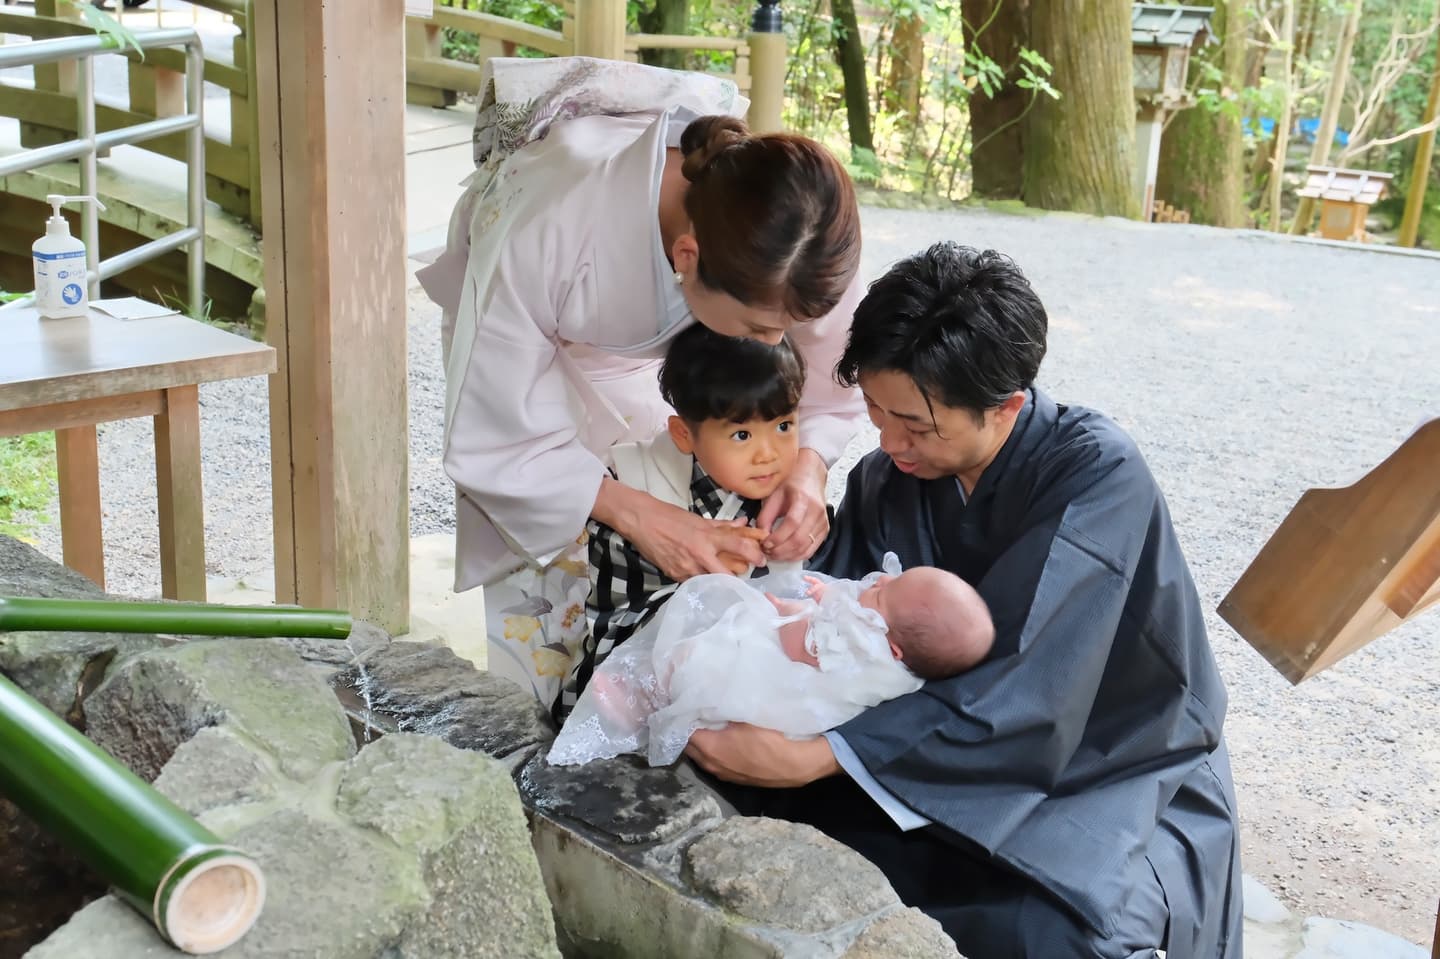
88, 143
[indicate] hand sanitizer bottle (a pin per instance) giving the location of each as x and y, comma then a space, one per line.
61, 284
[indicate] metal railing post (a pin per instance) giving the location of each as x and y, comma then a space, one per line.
89, 175
88, 143
195, 166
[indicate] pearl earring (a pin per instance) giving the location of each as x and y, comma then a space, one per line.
679, 278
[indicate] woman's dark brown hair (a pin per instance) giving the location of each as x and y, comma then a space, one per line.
774, 217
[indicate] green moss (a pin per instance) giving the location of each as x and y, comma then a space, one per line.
27, 483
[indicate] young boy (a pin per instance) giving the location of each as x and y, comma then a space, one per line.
733, 442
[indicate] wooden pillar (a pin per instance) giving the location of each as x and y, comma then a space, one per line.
331, 92
1149, 125
600, 29
767, 68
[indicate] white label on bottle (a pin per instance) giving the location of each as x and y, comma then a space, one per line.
67, 255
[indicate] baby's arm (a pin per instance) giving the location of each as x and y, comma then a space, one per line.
792, 635
815, 588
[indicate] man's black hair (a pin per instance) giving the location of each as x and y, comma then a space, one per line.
708, 376
964, 324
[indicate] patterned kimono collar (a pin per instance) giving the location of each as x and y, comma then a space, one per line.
709, 499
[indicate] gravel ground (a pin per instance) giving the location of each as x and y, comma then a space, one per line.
1248, 368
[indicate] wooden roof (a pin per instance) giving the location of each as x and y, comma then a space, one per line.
1346, 186
1153, 24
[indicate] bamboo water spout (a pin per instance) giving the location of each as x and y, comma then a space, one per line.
201, 894
194, 619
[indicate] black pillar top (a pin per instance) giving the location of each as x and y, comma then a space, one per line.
766, 18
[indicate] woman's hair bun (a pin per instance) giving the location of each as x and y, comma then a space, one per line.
705, 138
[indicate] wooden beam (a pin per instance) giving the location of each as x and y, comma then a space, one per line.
330, 77
82, 543
179, 498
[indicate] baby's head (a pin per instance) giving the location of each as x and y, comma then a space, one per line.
937, 624
735, 401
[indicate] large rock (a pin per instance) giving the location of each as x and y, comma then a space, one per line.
332, 893
153, 702
215, 769
418, 687
58, 669
907, 933
622, 798
460, 811
412, 850
785, 874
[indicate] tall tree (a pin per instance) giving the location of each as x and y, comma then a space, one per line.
998, 29
1282, 125
665, 16
1080, 149
907, 64
1330, 114
1415, 199
850, 53
1202, 154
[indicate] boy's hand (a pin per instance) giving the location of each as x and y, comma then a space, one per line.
815, 588
802, 502
677, 541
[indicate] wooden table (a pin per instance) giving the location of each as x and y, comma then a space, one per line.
67, 375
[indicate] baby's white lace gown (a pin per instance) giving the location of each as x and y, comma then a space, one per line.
713, 656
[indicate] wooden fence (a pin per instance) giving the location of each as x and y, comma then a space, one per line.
46, 110
157, 89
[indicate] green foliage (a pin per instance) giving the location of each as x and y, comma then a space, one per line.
27, 482
106, 26
461, 45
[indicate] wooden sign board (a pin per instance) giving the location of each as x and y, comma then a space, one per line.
1347, 565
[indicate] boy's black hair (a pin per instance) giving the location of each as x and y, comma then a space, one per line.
709, 376
964, 324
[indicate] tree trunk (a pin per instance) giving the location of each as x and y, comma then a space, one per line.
907, 67
1330, 114
998, 138
1202, 162
665, 16
1415, 196
1080, 149
1282, 125
850, 53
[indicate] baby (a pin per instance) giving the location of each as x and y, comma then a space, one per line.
798, 654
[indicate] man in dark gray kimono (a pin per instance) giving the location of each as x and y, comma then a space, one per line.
1071, 796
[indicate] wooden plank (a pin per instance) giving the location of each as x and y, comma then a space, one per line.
60, 416
552, 42
1344, 564
670, 41
179, 495
444, 74
45, 362
77, 460
332, 126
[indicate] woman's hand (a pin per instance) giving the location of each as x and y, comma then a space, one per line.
801, 501
755, 756
677, 541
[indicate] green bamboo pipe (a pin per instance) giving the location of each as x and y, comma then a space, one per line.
201, 894
192, 619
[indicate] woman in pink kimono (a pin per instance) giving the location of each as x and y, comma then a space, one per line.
613, 205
